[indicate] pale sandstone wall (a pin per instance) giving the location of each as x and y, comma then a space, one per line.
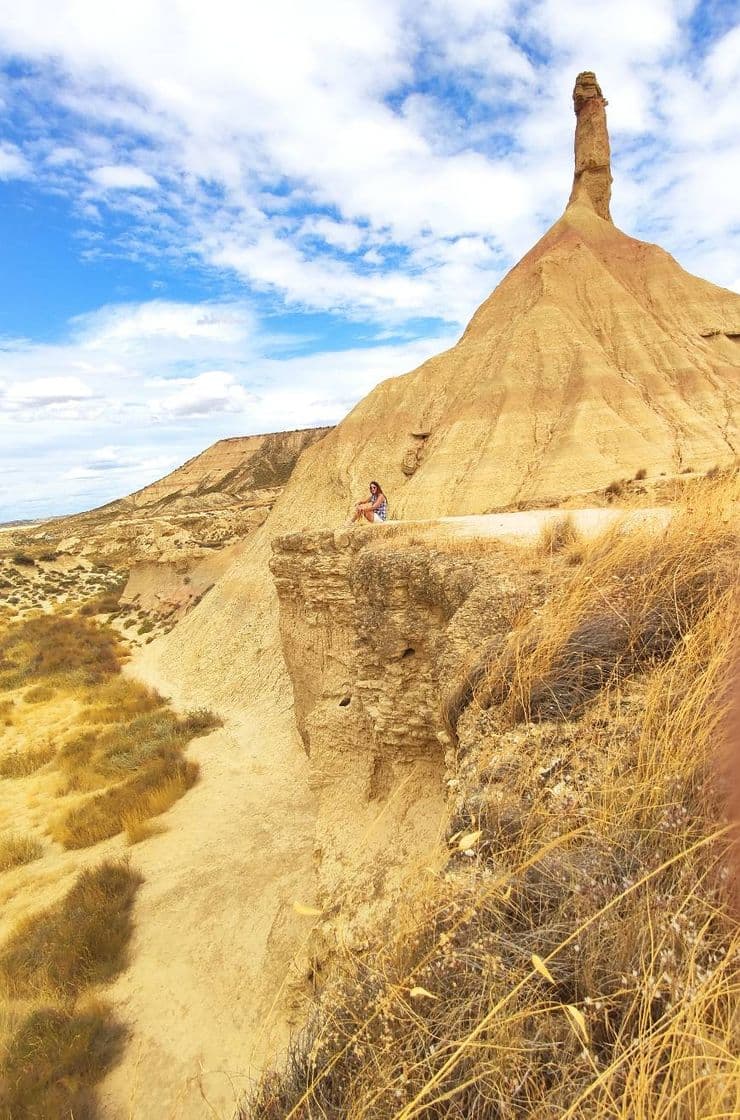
375, 639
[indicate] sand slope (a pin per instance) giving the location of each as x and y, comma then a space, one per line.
209, 995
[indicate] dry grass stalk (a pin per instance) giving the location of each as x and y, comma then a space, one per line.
79, 942
16, 850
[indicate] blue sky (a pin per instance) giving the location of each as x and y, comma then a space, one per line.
236, 217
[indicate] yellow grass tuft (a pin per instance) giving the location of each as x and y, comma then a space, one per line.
53, 1060
557, 534
76, 943
21, 763
16, 850
150, 792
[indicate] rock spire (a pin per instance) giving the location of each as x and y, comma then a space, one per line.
592, 180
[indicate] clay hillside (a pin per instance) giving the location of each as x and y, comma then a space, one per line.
597, 356
213, 499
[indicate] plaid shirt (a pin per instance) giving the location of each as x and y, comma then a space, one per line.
382, 510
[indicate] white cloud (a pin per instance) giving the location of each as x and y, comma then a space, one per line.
13, 164
123, 177
212, 391
382, 160
269, 141
48, 390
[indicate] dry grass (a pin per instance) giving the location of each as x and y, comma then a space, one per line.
21, 763
154, 790
39, 694
77, 943
114, 753
55, 648
140, 828
576, 957
16, 850
139, 759
557, 534
53, 1060
58, 1048
634, 597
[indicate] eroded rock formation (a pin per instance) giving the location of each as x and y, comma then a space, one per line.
596, 357
375, 640
592, 178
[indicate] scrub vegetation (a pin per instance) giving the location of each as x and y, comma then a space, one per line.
87, 754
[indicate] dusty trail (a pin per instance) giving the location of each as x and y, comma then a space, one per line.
208, 996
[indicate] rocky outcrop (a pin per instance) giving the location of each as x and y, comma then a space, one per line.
592, 179
596, 357
376, 635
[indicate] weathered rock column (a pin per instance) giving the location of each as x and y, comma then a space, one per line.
592, 180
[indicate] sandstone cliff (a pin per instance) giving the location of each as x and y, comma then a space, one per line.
596, 356
377, 638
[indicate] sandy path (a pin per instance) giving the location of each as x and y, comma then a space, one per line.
207, 996
525, 525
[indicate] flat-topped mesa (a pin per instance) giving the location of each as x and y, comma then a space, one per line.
592, 180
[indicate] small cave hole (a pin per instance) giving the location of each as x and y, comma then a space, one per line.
408, 652
344, 702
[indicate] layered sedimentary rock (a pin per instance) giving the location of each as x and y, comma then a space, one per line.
596, 357
376, 641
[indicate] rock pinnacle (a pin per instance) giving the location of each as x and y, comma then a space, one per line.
592, 180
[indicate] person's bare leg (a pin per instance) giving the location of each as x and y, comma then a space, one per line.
368, 514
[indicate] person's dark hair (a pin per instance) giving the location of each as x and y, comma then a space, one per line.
374, 483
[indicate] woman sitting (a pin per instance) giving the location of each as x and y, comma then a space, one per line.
375, 508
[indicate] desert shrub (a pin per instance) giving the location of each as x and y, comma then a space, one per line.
53, 1060
557, 534
16, 850
106, 603
200, 721
614, 489
78, 942
39, 694
151, 791
48, 557
641, 474
146, 627
23, 560
21, 763
57, 646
